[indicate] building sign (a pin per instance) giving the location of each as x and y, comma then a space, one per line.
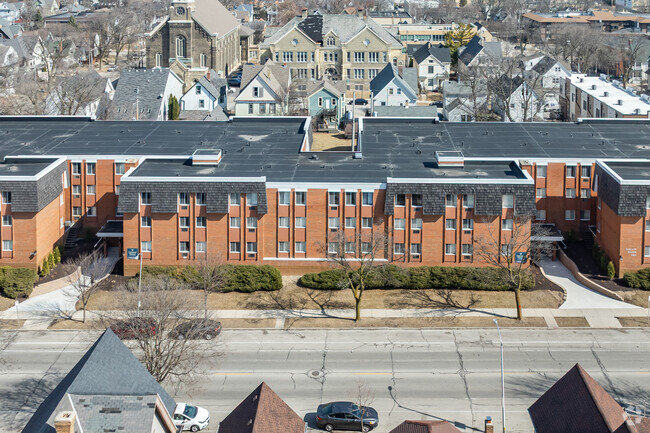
131, 253
520, 257
631, 251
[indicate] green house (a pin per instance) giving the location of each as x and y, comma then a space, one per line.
326, 100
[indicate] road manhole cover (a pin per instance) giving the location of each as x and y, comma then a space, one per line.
315, 374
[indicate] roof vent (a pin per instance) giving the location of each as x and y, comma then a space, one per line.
593, 87
620, 102
450, 159
605, 94
206, 157
637, 111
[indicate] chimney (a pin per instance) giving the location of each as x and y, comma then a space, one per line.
303, 13
489, 428
360, 12
64, 422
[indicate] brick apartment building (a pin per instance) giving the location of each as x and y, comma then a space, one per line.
252, 191
582, 96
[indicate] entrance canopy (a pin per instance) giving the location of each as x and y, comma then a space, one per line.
546, 233
112, 229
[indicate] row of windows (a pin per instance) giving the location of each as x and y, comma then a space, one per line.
262, 108
585, 171
366, 248
568, 193
90, 211
91, 168
200, 197
438, 38
331, 56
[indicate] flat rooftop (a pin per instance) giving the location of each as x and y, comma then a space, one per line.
24, 167
633, 170
395, 148
597, 86
471, 171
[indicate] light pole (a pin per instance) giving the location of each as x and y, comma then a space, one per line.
503, 385
139, 281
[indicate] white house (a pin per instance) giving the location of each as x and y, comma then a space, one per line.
433, 64
463, 100
206, 94
264, 90
516, 100
389, 88
11, 11
8, 56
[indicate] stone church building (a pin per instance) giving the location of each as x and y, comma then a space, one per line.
200, 34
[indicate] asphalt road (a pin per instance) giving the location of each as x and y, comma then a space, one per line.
437, 374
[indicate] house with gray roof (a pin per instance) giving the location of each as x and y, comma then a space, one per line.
464, 101
143, 94
333, 46
107, 390
391, 88
206, 94
264, 90
478, 53
11, 11
433, 65
9, 30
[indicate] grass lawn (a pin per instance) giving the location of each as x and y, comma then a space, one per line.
11, 324
572, 322
291, 296
634, 322
413, 322
6, 303
99, 325
635, 296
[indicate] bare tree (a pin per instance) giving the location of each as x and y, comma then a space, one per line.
359, 256
86, 273
164, 306
100, 28
363, 396
209, 276
512, 251
630, 56
70, 95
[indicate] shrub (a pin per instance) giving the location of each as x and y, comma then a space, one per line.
639, 279
251, 278
174, 272
423, 277
57, 254
51, 261
611, 270
45, 268
17, 282
326, 280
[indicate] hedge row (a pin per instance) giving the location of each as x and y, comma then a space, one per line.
237, 278
422, 277
17, 282
639, 279
52, 259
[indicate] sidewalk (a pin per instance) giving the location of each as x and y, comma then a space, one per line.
596, 318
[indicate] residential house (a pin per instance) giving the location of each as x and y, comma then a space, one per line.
11, 11
478, 54
465, 101
143, 94
27, 48
582, 96
9, 30
337, 47
326, 103
47, 7
433, 64
63, 51
576, 403
515, 100
107, 376
244, 13
262, 411
483, 32
546, 75
8, 56
389, 88
202, 34
425, 426
206, 94
264, 90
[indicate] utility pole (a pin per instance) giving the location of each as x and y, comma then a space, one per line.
503, 385
139, 282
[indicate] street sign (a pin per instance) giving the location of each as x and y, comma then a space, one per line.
131, 253
520, 257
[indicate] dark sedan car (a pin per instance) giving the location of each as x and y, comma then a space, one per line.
345, 415
130, 329
201, 328
359, 101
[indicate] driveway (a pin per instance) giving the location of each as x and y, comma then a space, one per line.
577, 295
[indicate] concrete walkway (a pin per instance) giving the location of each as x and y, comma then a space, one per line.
60, 303
577, 295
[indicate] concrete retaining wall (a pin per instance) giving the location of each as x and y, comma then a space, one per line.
566, 261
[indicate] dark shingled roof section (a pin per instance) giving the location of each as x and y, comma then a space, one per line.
544, 65
107, 368
144, 84
312, 26
578, 404
427, 426
439, 52
263, 411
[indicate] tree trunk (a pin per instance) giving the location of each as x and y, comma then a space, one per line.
83, 317
518, 301
357, 309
